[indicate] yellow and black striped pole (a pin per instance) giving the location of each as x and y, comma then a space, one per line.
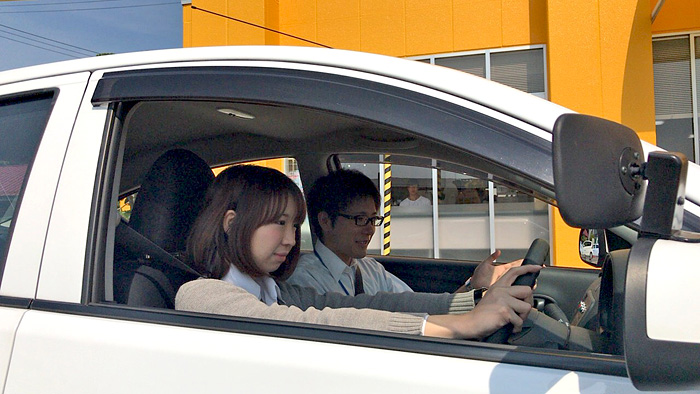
386, 241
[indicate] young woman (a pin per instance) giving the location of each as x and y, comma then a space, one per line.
246, 240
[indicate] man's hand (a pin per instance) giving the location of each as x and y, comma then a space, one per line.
487, 273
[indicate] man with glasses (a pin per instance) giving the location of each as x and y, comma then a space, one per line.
343, 211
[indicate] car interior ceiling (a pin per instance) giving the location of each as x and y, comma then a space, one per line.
280, 131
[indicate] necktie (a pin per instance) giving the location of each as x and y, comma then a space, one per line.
359, 286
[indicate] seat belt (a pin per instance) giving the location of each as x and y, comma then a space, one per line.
135, 243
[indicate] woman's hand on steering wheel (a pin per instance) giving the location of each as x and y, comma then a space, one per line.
504, 303
501, 305
537, 255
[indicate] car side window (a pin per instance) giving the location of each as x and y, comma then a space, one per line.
22, 123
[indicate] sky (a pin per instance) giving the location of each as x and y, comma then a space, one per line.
44, 31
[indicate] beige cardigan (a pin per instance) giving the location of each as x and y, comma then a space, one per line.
302, 304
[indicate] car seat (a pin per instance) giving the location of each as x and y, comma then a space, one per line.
149, 248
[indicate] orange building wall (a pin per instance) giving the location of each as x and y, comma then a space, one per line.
389, 27
676, 16
414, 27
598, 52
202, 28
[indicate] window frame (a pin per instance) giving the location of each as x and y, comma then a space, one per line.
487, 60
38, 94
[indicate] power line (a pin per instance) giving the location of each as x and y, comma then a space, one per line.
36, 46
259, 26
87, 9
48, 39
43, 43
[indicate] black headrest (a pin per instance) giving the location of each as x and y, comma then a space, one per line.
170, 198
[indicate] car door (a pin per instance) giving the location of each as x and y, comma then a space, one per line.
36, 118
95, 344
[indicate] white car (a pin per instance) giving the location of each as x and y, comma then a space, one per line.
86, 296
589, 251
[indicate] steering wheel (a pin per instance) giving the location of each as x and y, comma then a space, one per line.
536, 255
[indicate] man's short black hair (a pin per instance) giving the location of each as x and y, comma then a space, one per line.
333, 193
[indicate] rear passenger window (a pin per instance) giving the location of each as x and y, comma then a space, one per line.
22, 123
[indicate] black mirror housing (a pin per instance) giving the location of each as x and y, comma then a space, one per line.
597, 165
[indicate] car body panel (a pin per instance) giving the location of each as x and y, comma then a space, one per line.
9, 321
66, 240
85, 355
671, 287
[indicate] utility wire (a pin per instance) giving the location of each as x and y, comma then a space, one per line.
47, 39
36, 46
87, 9
43, 43
259, 26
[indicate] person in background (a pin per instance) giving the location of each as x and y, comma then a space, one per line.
343, 213
414, 199
246, 242
466, 195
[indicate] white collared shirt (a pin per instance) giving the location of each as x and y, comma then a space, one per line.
264, 288
326, 272
419, 202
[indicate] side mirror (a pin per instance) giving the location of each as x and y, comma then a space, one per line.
597, 172
601, 181
593, 246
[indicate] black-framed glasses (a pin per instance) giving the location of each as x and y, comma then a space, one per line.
363, 220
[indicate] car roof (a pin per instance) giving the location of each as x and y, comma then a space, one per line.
520, 105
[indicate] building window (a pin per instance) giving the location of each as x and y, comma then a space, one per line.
457, 213
676, 62
522, 68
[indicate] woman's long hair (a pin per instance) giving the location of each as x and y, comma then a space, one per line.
259, 196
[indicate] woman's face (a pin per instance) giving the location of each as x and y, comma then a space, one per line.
271, 243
